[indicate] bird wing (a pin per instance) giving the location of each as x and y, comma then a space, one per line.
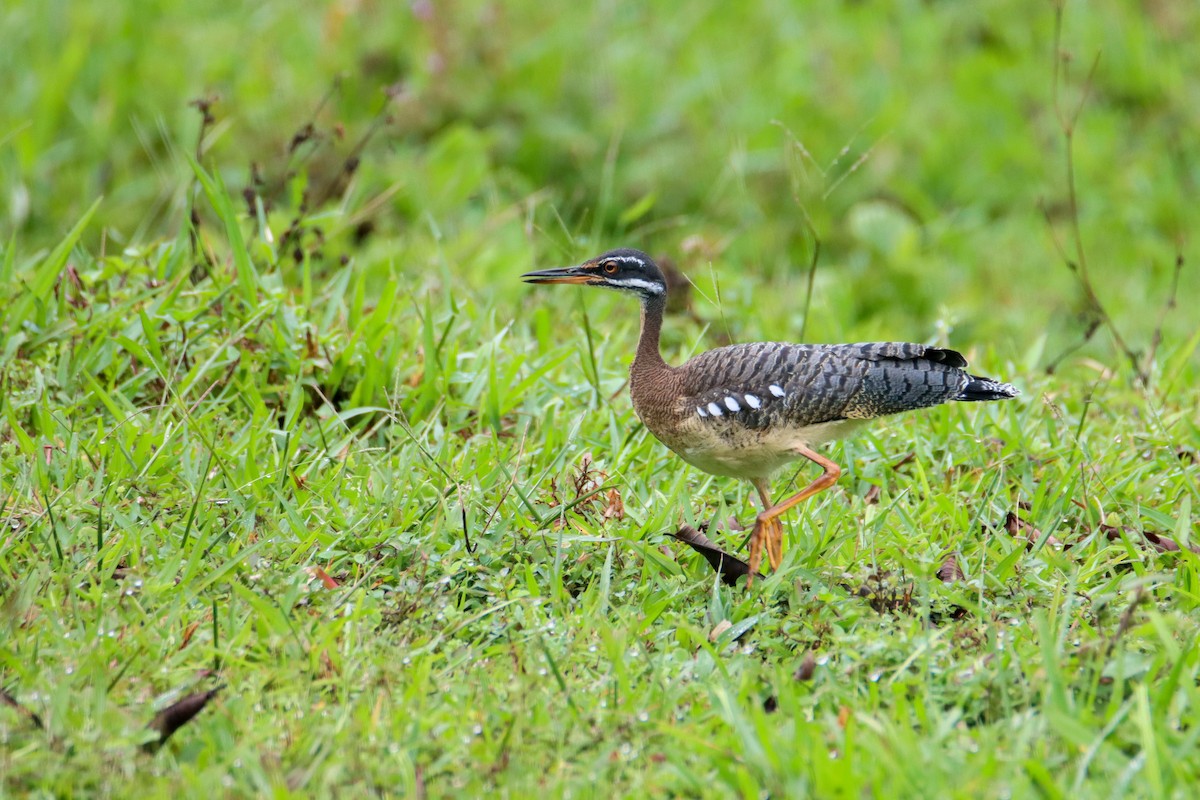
764, 383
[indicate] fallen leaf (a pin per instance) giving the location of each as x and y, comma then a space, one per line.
1021, 529
728, 567
187, 634
615, 508
807, 667
176, 715
950, 571
1163, 544
718, 629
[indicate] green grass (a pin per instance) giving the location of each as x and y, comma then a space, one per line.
321, 447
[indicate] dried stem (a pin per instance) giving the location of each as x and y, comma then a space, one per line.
1168, 306
1097, 316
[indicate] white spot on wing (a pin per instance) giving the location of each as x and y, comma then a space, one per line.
714, 409
732, 404
700, 410
777, 390
753, 401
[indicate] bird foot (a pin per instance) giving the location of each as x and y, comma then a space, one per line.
767, 534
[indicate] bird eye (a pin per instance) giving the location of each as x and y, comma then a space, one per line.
610, 267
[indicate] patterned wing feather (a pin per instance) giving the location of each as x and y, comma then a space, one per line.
770, 383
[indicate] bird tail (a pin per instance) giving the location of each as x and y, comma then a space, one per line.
980, 389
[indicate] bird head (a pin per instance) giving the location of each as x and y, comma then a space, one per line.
625, 270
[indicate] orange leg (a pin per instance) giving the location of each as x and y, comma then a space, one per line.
768, 530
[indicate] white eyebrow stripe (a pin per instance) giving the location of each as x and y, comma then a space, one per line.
777, 390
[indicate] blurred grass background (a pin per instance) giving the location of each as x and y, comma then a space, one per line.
933, 123
285, 419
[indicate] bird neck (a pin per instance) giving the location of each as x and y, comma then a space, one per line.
648, 359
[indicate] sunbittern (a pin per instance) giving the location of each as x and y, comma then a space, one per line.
746, 410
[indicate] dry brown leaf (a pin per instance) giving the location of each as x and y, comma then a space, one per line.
950, 571
187, 634
807, 667
178, 714
1163, 544
1021, 529
615, 508
728, 567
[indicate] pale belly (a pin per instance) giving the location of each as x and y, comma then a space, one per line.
739, 452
